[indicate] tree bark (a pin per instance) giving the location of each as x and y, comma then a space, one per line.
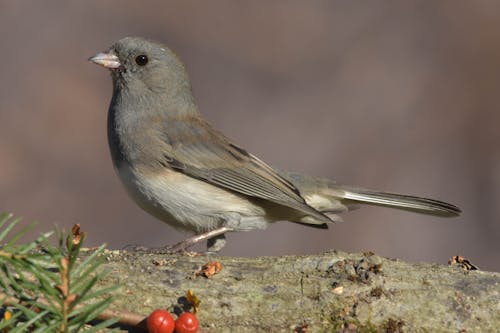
331, 292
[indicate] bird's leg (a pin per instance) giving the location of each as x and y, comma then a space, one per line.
216, 240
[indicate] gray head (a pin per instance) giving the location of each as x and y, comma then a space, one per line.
141, 67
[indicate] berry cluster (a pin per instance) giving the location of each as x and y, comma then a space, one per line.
161, 321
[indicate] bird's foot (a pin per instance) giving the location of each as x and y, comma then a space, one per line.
215, 242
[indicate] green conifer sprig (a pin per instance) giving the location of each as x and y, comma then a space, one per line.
49, 288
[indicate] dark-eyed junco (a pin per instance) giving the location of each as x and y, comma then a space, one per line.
184, 172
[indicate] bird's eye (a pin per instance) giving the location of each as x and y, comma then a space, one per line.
141, 60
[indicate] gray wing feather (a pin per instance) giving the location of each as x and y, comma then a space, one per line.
197, 150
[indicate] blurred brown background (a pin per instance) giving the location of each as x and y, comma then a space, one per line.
400, 96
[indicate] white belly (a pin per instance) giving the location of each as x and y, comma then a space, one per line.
188, 203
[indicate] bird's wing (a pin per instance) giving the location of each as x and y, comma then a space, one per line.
195, 149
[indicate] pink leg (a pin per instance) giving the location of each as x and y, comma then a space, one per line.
187, 243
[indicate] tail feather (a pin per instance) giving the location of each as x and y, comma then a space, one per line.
400, 201
331, 198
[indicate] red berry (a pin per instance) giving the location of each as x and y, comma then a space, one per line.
160, 321
187, 323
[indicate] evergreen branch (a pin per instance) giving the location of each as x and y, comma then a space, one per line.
124, 318
48, 288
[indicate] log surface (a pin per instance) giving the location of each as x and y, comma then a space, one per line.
331, 292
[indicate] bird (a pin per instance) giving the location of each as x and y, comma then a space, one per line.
184, 172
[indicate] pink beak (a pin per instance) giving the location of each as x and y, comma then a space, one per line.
108, 60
